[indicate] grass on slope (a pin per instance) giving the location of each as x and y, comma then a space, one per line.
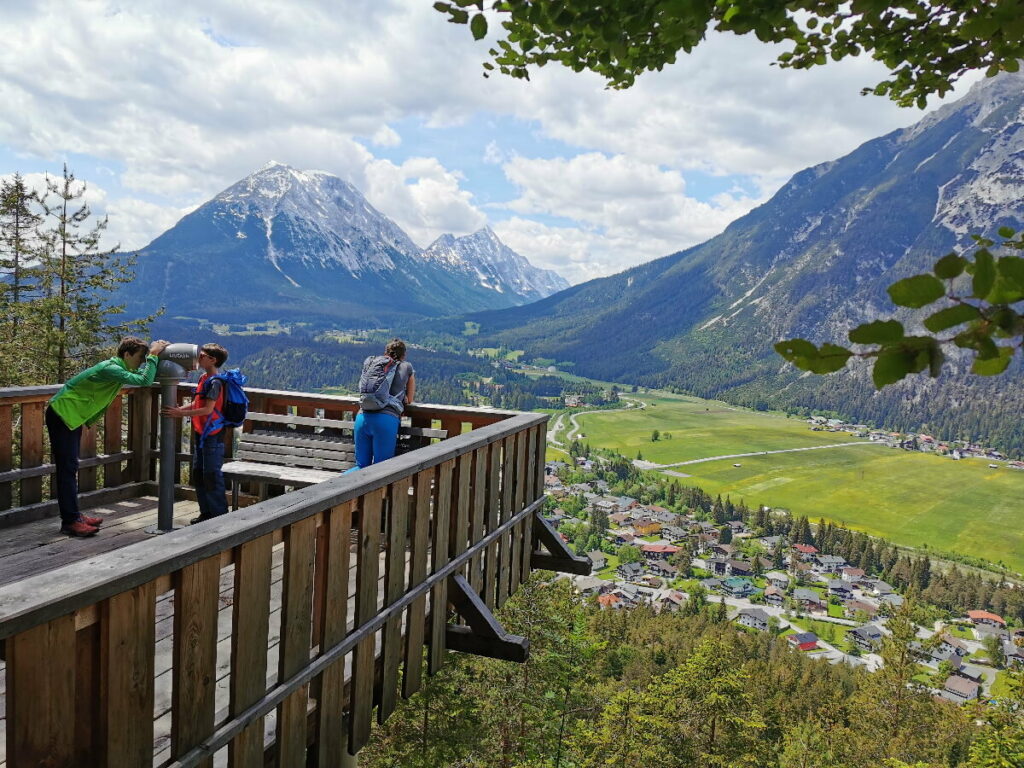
699, 428
909, 498
912, 499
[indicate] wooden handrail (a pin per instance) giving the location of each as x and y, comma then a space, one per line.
43, 597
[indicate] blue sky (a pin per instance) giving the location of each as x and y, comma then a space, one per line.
159, 107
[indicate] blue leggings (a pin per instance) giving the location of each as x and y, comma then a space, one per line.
375, 437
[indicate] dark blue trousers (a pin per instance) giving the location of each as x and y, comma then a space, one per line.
65, 445
207, 477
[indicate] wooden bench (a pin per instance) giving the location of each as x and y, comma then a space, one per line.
298, 451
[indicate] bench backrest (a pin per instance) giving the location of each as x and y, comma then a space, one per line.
328, 445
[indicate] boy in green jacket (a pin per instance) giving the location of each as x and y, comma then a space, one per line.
81, 402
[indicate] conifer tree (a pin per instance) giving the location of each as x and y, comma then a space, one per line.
77, 278
19, 267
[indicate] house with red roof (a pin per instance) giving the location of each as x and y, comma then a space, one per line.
659, 551
806, 551
984, 617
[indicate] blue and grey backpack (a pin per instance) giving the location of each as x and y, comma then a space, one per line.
235, 405
375, 384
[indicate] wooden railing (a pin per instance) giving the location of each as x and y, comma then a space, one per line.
277, 632
118, 456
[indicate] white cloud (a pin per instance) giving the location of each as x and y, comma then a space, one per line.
423, 197
630, 211
386, 136
186, 98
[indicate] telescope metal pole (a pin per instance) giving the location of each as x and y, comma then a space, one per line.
168, 459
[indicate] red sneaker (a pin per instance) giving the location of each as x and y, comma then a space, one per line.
95, 522
78, 530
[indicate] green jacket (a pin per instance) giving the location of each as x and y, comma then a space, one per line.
84, 398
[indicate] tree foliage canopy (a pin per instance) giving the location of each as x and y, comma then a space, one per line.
926, 45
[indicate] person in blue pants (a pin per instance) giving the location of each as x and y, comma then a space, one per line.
376, 432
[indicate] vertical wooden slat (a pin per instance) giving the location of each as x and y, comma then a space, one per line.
6, 453
41, 695
140, 431
492, 565
518, 494
112, 420
507, 484
416, 614
196, 593
31, 450
296, 639
87, 694
87, 449
126, 686
453, 425
394, 583
333, 567
178, 427
463, 490
439, 558
367, 571
250, 626
530, 494
478, 510
539, 447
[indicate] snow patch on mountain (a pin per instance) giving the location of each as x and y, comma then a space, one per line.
484, 258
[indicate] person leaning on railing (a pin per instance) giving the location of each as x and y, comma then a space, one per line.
376, 432
81, 402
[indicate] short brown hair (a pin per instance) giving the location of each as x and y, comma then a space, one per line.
395, 349
130, 345
217, 352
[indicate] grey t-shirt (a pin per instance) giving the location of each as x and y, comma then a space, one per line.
399, 383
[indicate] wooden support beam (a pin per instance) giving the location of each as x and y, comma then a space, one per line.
484, 636
558, 556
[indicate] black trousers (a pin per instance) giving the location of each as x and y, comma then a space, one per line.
65, 445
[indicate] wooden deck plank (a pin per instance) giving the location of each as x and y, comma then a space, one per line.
37, 547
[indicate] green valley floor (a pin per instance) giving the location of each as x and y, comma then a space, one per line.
913, 499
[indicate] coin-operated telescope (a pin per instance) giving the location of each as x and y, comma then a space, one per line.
174, 364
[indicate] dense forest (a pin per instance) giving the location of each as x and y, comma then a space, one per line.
636, 689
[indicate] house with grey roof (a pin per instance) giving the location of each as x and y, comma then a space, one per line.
960, 689
867, 637
754, 618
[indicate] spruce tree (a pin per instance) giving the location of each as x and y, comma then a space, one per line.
19, 265
78, 276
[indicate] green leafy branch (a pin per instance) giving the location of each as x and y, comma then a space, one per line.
983, 319
925, 45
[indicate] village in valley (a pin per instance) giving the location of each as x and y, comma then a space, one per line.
669, 556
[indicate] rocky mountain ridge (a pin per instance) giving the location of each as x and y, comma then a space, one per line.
298, 245
813, 262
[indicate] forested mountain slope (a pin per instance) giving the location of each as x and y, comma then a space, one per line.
812, 262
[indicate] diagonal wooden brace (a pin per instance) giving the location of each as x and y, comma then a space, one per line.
484, 636
558, 556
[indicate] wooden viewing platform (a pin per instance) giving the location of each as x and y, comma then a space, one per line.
271, 636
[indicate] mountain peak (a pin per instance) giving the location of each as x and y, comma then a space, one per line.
483, 257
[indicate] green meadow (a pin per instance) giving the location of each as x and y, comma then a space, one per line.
913, 499
698, 429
